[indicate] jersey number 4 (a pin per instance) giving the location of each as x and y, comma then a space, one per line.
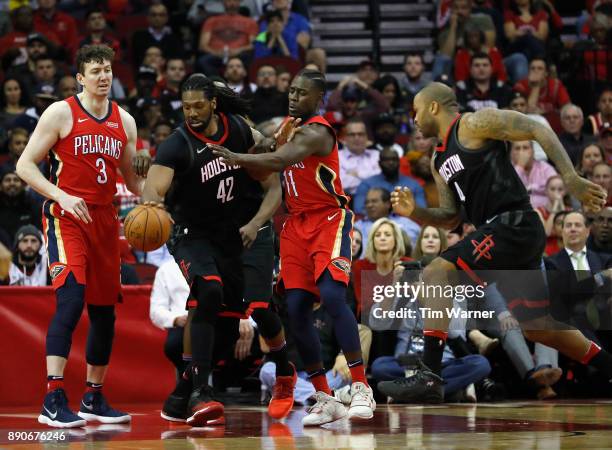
224, 192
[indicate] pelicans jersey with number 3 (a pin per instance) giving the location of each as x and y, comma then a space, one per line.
314, 183
84, 163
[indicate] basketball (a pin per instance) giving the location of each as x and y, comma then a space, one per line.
147, 228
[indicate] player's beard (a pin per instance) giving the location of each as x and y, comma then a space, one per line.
429, 128
205, 123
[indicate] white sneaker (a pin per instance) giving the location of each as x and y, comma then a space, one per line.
343, 394
362, 402
326, 409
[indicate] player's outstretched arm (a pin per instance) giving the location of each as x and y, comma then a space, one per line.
270, 203
157, 184
132, 181
446, 216
513, 126
308, 140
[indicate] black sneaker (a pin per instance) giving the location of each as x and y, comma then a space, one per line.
175, 408
490, 391
422, 387
203, 410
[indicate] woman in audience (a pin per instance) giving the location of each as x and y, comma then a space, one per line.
388, 86
430, 243
13, 102
557, 202
526, 28
589, 157
534, 174
417, 147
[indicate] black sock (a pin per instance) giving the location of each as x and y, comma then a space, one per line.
184, 385
602, 361
199, 374
432, 353
281, 359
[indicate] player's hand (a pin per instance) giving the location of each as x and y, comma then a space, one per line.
141, 162
180, 321
248, 233
592, 196
341, 367
286, 131
231, 158
509, 323
403, 201
243, 345
75, 206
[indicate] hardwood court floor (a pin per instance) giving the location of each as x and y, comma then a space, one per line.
515, 426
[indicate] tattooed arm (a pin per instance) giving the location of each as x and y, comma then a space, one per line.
475, 129
446, 216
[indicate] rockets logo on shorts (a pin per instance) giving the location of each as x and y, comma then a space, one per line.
56, 270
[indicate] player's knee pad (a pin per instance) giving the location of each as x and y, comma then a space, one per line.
268, 322
70, 300
333, 294
101, 334
209, 294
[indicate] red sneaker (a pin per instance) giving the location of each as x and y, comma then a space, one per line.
203, 408
282, 396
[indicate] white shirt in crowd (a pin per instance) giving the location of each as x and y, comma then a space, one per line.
355, 168
168, 296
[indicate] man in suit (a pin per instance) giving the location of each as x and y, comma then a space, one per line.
582, 298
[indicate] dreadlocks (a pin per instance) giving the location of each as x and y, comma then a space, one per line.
228, 102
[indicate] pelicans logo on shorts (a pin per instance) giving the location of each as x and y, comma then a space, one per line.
56, 270
342, 264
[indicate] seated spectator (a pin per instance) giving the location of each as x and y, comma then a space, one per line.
357, 162
600, 238
42, 100
388, 86
421, 171
283, 79
13, 103
17, 141
526, 28
296, 26
274, 41
378, 206
268, 100
356, 245
414, 78
236, 77
385, 130
534, 174
167, 310
451, 36
475, 44
596, 121
154, 58
145, 82
602, 175
572, 137
388, 179
458, 373
48, 21
589, 157
481, 89
225, 36
355, 98
576, 277
430, 243
157, 34
168, 88
417, 146
557, 197
97, 32
605, 141
519, 103
16, 208
545, 95
68, 87
37, 45
161, 131
29, 264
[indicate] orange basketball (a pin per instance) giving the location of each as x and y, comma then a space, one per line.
147, 228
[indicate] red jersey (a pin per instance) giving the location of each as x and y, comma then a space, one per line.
315, 182
84, 163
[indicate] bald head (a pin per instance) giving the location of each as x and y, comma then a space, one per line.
441, 94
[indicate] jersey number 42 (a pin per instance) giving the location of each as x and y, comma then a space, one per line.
224, 192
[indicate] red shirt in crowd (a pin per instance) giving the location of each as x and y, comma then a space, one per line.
534, 24
61, 25
463, 60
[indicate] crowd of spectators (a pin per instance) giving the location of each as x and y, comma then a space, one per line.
505, 54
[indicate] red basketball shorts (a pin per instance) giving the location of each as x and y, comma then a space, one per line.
312, 242
90, 251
